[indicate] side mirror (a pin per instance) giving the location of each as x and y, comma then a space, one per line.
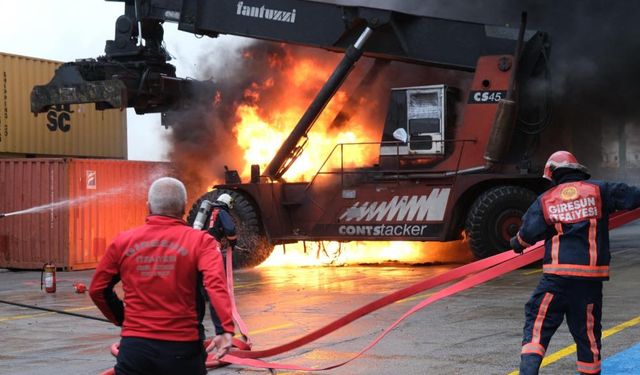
401, 135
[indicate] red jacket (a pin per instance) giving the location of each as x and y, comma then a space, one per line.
161, 265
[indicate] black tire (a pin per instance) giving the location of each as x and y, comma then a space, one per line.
496, 216
253, 246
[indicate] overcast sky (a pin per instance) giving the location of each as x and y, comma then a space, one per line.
66, 30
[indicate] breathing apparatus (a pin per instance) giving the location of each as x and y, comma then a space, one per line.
203, 212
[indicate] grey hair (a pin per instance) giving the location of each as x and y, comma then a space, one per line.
167, 196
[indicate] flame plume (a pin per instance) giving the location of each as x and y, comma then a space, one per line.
259, 104
273, 106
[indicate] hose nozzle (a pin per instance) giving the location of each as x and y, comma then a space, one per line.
2, 215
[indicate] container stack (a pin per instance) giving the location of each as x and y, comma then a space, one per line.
68, 169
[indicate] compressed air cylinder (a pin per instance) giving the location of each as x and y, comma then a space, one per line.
203, 212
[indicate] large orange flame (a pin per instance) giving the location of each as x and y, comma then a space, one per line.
261, 128
369, 252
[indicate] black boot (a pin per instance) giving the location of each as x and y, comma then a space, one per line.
530, 364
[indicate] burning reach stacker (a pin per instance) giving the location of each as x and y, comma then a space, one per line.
452, 159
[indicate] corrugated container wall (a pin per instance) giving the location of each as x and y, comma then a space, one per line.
75, 208
75, 130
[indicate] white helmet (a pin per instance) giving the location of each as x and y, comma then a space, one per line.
226, 199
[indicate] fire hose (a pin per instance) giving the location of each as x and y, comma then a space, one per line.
472, 274
34, 307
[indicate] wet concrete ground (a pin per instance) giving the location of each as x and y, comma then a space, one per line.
475, 332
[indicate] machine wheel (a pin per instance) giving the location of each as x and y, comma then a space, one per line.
495, 217
253, 247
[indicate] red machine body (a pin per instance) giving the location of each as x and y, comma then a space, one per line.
411, 194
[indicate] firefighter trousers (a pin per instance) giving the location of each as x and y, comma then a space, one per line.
142, 356
555, 297
214, 316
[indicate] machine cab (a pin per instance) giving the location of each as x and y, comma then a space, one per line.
422, 113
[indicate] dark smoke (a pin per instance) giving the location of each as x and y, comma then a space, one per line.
598, 73
595, 66
193, 158
203, 141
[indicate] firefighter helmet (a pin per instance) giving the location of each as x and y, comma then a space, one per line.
226, 199
562, 159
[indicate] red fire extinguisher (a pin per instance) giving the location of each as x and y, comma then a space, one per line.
48, 278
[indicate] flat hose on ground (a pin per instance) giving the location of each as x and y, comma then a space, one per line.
34, 307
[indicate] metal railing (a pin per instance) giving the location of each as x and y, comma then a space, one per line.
398, 171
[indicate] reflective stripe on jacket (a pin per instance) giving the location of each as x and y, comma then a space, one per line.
573, 218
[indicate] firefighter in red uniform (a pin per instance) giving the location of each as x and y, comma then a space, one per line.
572, 218
161, 265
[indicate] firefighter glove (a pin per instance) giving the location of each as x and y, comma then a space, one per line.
515, 245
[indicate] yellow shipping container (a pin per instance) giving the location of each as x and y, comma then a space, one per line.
75, 130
